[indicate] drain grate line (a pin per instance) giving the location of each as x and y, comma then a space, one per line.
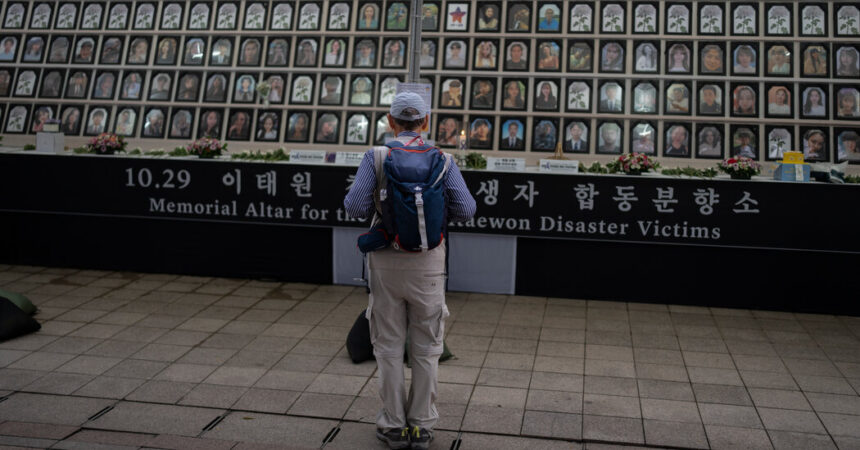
100, 413
214, 423
455, 444
3, 399
331, 435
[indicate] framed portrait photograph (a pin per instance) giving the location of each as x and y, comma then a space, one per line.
306, 53
779, 100
712, 57
481, 132
643, 138
132, 85
105, 85
847, 103
397, 16
744, 141
302, 92
645, 18
249, 53
41, 114
357, 129
298, 126
198, 17
779, 60
112, 50
457, 16
512, 134
428, 54
210, 123
847, 21
16, 13
52, 83
97, 121
519, 17
815, 60
780, 18
548, 59
268, 126
365, 54
710, 99
575, 135
41, 17
814, 142
582, 17
383, 133
16, 119
549, 17
813, 99
744, 100
91, 19
394, 53
8, 48
513, 95
644, 98
59, 51
647, 57
486, 54
67, 16
612, 17
118, 15
847, 144
779, 139
138, 51
144, 16
26, 84
678, 98
171, 15
70, 120
239, 125
745, 59
545, 136
579, 56
456, 54
331, 91
744, 19
77, 84
126, 122
483, 93
34, 49
578, 96
309, 16
277, 88
813, 19
368, 16
188, 89
611, 57
222, 52
516, 55
85, 48
847, 61
361, 92
165, 53
611, 97
488, 16
451, 93
610, 137
546, 95
160, 86
227, 15
678, 18
712, 18
245, 87
255, 15
338, 16
677, 140
6, 77
678, 58
282, 16
181, 122
709, 141
195, 51
278, 52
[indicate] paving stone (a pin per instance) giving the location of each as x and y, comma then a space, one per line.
213, 396
15, 442
207, 356
559, 364
657, 356
479, 441
827, 385
116, 349
776, 398
285, 380
136, 368
557, 381
186, 443
613, 429
493, 419
337, 384
552, 424
59, 327
132, 440
156, 419
36, 430
841, 424
162, 352
235, 376
843, 404
787, 440
97, 330
555, 401
721, 437
140, 333
254, 358
190, 373
707, 375
53, 409
457, 374
160, 392
356, 435
768, 380
266, 400
91, 365
202, 324
670, 410
499, 397
566, 349
789, 420
109, 387
669, 390
675, 434
58, 383
504, 378
15, 379
729, 415
610, 386
182, 337
30, 342
663, 372
509, 361
321, 405
41, 361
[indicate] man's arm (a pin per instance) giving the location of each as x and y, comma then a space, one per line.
461, 204
359, 199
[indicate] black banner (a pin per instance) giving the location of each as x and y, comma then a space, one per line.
645, 209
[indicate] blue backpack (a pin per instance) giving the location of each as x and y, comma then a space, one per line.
411, 194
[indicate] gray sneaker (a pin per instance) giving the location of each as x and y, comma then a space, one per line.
420, 438
396, 438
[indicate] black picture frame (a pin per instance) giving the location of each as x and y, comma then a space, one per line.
748, 25
516, 55
548, 62
712, 18
364, 21
737, 144
361, 91
181, 123
382, 132
85, 49
678, 98
811, 65
740, 101
198, 19
844, 151
167, 51
488, 18
816, 25
544, 24
221, 16
7, 76
518, 18
716, 148
711, 99
545, 136
278, 87
161, 90
616, 23
510, 101
255, 16
518, 141
674, 20
140, 11
674, 65
87, 19
394, 53
813, 148
41, 114
483, 93
547, 92
643, 99
429, 50
397, 15
60, 49
132, 86
580, 55
646, 57
356, 138
93, 127
712, 58
104, 87
195, 50
778, 139
21, 114
52, 83
306, 19
64, 21
111, 51
282, 15
364, 55
616, 64
486, 54
784, 25
71, 118
23, 8
449, 100
335, 51
34, 49
673, 146
221, 52
278, 52
302, 89
28, 78
576, 136
164, 11
327, 127
188, 87
77, 84
842, 109
125, 123
456, 54
251, 51
138, 51
298, 127
244, 88
839, 30
813, 101
239, 124
846, 60
120, 20
776, 52
581, 15
646, 19
738, 61
772, 91
578, 96
211, 123
332, 88
264, 131
603, 139
611, 96
644, 137
339, 16
307, 53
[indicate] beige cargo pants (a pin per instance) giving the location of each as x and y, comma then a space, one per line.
407, 290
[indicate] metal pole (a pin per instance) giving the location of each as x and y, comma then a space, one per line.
415, 42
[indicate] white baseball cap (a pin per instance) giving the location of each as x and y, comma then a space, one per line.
406, 100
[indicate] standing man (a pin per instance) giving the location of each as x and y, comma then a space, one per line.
407, 293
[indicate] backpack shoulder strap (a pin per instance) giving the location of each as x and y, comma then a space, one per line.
448, 158
379, 155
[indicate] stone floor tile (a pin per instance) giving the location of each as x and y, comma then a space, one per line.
235, 376
97, 330
59, 327
457, 374
99, 439
337, 384
608, 368
670, 410
611, 405
790, 420
254, 358
91, 365
566, 349
842, 404
663, 372
826, 385
156, 419
613, 429
760, 363
235, 327
610, 386
321, 405
509, 361
493, 419
182, 337
675, 434
136, 368
847, 441
317, 347
162, 352
777, 398
555, 401
58, 383
286, 380
708, 375
788, 440
30, 342
213, 396
140, 333
657, 356
668, 390
365, 409
109, 387
559, 364
557, 381
722, 437
729, 415
36, 430
768, 380
450, 393
41, 361
116, 349
841, 424
509, 345
562, 335
53, 409
207, 356
266, 400
499, 396
16, 379
504, 378
160, 392
21, 443
552, 424
609, 352
121, 318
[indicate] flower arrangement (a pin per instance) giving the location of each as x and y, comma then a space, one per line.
632, 164
740, 167
106, 144
264, 88
206, 147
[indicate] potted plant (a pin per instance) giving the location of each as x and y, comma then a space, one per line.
632, 164
206, 147
740, 167
106, 144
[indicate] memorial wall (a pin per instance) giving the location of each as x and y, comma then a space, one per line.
701, 80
